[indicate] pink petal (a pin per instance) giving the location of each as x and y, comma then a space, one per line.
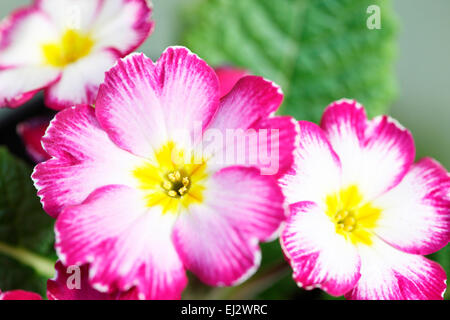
319, 256
252, 98
83, 159
250, 135
228, 77
22, 74
140, 103
218, 241
416, 213
389, 274
268, 144
21, 35
31, 132
316, 172
375, 155
123, 25
276, 145
19, 295
19, 84
126, 244
63, 287
79, 81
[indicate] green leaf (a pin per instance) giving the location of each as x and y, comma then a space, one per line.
26, 231
317, 50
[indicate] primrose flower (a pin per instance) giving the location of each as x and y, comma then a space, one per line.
73, 284
65, 47
136, 200
19, 295
362, 213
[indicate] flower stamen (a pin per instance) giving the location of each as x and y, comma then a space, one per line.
177, 184
345, 220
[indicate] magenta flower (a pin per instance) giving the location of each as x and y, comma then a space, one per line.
65, 47
133, 201
362, 213
65, 286
19, 295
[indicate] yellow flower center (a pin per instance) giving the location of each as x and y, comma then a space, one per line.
73, 46
171, 181
353, 216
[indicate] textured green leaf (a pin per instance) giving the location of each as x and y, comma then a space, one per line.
317, 50
26, 231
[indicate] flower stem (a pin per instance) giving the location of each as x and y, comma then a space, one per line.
43, 266
259, 283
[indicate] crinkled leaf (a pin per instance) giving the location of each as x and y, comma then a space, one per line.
317, 50
24, 226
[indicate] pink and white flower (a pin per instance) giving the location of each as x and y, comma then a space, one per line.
363, 214
65, 47
131, 200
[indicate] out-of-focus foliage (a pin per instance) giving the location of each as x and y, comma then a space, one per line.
23, 225
317, 50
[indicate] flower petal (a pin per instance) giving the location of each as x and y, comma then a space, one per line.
390, 274
123, 24
374, 155
22, 74
268, 145
317, 169
319, 256
84, 159
75, 14
228, 77
21, 37
140, 102
415, 215
275, 147
58, 288
248, 134
18, 85
80, 80
31, 132
218, 240
252, 98
19, 295
126, 244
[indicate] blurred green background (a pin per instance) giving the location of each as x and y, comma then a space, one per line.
335, 55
